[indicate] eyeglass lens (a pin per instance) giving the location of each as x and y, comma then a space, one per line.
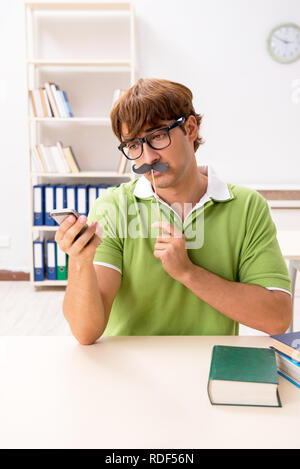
158, 140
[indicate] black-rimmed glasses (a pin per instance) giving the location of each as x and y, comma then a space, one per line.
158, 140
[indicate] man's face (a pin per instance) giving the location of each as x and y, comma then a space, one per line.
178, 154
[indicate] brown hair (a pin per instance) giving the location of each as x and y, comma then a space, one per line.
149, 102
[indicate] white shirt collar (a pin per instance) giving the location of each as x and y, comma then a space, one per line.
216, 188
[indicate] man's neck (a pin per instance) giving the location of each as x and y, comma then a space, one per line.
189, 190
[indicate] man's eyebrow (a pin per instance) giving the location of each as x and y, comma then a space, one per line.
159, 126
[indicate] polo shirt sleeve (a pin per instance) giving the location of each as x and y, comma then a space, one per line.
110, 251
261, 261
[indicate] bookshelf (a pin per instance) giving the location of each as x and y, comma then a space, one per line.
88, 49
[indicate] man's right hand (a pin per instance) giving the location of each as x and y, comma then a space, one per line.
83, 249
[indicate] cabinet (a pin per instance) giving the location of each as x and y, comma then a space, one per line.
88, 49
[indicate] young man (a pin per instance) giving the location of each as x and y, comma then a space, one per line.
182, 253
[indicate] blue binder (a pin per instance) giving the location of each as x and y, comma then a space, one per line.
82, 200
60, 198
51, 260
38, 205
38, 260
71, 197
92, 196
101, 188
49, 204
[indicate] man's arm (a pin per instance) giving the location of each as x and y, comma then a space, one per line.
269, 311
88, 300
251, 305
91, 290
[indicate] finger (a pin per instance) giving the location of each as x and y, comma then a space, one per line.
71, 233
158, 254
161, 246
97, 238
64, 227
85, 238
168, 228
164, 238
99, 231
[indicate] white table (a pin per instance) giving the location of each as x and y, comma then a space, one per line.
130, 392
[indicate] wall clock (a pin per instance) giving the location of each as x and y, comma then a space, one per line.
284, 43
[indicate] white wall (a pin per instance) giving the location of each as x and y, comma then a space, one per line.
218, 49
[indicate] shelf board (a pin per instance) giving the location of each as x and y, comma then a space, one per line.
77, 5
86, 174
50, 283
124, 64
73, 120
45, 228
284, 203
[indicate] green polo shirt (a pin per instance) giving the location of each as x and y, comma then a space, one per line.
229, 232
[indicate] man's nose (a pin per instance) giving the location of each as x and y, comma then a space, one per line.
150, 156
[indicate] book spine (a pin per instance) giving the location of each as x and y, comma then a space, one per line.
38, 103
56, 95
49, 111
67, 103
51, 99
63, 158
31, 97
44, 106
42, 158
63, 104
36, 164
75, 160
57, 158
71, 159
48, 158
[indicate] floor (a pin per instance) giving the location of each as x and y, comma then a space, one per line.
25, 310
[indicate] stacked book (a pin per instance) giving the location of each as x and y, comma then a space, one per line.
245, 376
287, 349
47, 197
49, 101
54, 159
50, 262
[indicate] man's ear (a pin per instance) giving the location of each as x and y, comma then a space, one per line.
191, 127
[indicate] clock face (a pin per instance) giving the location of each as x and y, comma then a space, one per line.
284, 43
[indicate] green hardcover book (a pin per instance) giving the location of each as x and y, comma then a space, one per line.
244, 376
61, 264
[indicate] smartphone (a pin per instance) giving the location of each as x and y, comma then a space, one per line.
60, 214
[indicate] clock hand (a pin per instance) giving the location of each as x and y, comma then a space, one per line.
283, 40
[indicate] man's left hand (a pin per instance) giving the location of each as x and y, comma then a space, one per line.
170, 249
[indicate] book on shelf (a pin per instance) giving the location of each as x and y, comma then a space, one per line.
244, 376
32, 104
288, 368
49, 101
288, 343
43, 102
71, 159
54, 159
36, 162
